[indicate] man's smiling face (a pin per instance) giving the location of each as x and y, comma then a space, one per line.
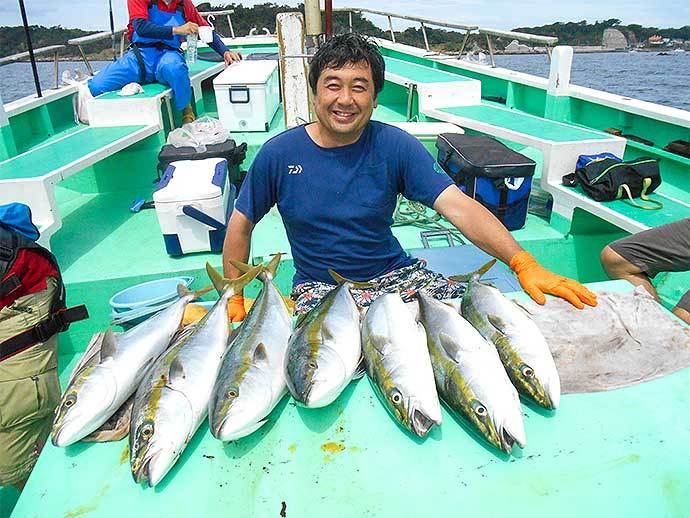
344, 101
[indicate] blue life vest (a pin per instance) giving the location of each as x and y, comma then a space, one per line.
163, 18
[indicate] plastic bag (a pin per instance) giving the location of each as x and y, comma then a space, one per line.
83, 96
203, 132
130, 89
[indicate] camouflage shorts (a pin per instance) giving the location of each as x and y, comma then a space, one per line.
407, 281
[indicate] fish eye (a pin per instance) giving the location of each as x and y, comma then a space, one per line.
70, 400
311, 364
233, 393
396, 397
527, 371
147, 431
479, 409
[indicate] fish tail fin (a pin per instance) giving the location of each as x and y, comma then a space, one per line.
233, 285
343, 280
269, 271
477, 274
272, 266
184, 291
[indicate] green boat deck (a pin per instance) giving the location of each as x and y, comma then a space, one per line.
602, 451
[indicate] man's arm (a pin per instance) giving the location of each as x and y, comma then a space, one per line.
236, 244
236, 247
482, 228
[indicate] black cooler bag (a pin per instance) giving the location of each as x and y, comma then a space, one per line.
228, 150
490, 172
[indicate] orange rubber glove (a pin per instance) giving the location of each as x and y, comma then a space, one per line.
536, 281
236, 311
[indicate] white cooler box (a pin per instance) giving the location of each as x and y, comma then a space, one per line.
193, 203
247, 95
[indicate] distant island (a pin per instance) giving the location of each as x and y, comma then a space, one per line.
606, 34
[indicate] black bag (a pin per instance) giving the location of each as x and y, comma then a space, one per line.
490, 172
228, 150
607, 179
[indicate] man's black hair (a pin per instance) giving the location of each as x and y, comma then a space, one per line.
348, 48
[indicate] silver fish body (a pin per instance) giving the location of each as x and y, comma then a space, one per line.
469, 375
397, 361
324, 351
251, 380
172, 400
106, 380
520, 344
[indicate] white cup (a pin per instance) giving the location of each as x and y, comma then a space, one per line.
206, 33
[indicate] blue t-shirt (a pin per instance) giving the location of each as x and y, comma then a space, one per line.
337, 204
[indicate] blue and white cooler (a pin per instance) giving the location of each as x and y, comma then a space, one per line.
193, 204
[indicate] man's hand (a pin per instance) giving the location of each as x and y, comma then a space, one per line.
230, 57
537, 281
186, 29
236, 311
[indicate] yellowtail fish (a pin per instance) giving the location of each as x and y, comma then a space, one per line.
172, 400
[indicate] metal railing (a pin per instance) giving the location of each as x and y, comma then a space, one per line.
91, 38
547, 41
123, 36
54, 49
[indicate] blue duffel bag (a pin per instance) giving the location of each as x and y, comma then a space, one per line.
490, 172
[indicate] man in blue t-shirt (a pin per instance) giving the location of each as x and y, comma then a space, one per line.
336, 181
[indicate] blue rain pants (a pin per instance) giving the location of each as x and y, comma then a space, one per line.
162, 65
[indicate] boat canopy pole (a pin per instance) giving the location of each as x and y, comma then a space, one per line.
329, 18
112, 30
37, 82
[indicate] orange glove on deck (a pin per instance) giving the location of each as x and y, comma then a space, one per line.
236, 311
536, 281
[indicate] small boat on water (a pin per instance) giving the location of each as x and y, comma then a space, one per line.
615, 453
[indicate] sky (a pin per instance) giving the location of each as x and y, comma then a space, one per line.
495, 14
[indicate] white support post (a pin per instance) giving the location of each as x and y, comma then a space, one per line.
559, 73
293, 71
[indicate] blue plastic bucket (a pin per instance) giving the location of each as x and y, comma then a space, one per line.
147, 294
138, 315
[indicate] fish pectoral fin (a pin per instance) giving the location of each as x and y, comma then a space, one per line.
176, 371
360, 371
452, 346
380, 343
498, 323
260, 355
109, 345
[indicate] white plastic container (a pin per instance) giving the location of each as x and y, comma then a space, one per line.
247, 95
193, 201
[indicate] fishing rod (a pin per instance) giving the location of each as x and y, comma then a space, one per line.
37, 82
112, 29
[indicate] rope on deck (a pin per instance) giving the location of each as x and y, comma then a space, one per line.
415, 214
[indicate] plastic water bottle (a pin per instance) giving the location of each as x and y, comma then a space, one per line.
191, 48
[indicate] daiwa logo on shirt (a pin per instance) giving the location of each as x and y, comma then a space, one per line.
294, 169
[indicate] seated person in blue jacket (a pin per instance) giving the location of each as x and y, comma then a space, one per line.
156, 29
336, 181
